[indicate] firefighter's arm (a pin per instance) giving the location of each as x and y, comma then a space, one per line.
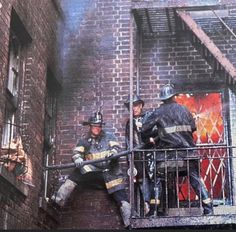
78, 154
149, 122
113, 148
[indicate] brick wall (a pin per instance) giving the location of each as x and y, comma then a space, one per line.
18, 212
172, 60
96, 71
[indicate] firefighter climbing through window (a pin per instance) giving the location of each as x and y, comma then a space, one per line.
98, 144
150, 190
175, 125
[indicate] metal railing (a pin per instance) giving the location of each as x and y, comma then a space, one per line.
214, 164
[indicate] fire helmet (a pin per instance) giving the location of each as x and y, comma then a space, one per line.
166, 92
95, 119
136, 99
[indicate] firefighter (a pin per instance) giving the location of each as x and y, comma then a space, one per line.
175, 126
150, 191
97, 144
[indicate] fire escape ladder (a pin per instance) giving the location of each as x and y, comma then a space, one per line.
207, 48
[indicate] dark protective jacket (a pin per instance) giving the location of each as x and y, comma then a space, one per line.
145, 181
137, 139
90, 148
174, 125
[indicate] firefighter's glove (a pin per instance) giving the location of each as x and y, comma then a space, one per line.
78, 162
109, 155
152, 140
112, 152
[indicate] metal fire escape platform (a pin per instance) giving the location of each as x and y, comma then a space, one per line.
155, 19
188, 221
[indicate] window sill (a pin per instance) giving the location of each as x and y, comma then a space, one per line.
14, 184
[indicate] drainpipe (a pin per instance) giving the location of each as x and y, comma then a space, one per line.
139, 56
46, 178
131, 157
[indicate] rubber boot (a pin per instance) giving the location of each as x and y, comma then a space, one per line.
155, 198
146, 208
207, 208
64, 192
125, 211
154, 205
198, 184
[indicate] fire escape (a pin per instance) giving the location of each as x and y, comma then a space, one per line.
155, 22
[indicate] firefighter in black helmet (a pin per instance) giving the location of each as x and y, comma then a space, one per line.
97, 144
150, 191
175, 126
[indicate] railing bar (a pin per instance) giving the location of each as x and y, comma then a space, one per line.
177, 180
138, 200
199, 176
143, 181
223, 180
210, 162
166, 180
198, 147
155, 181
229, 174
188, 178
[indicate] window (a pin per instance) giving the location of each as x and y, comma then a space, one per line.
18, 40
50, 111
13, 156
13, 73
53, 87
9, 130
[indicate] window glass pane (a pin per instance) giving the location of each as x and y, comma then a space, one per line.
13, 79
9, 130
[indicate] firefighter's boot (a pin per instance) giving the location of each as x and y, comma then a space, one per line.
207, 208
125, 211
155, 198
206, 201
64, 192
146, 208
198, 184
154, 206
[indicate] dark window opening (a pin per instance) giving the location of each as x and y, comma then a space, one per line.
52, 93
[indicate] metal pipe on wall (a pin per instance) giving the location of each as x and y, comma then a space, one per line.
131, 75
139, 57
